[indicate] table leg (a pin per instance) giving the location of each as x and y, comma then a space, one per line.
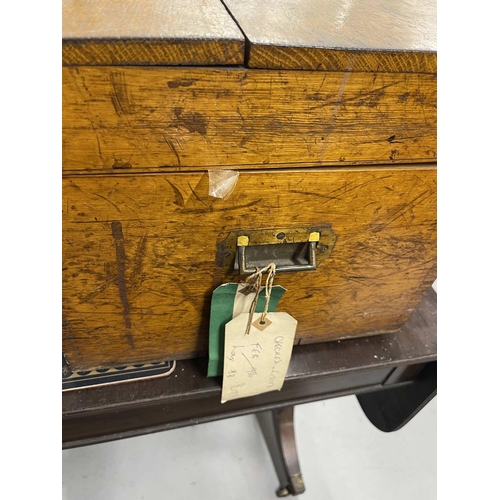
391, 409
278, 430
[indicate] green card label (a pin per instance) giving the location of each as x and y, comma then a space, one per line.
228, 301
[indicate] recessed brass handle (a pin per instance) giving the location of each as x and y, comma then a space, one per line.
288, 257
290, 248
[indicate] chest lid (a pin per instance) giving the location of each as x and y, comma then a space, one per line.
332, 35
339, 35
150, 32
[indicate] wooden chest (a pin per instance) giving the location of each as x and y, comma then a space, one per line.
326, 112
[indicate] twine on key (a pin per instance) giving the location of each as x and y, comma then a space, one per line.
257, 281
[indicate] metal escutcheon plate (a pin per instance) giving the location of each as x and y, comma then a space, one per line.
291, 249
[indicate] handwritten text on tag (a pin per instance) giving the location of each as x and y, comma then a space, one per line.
257, 362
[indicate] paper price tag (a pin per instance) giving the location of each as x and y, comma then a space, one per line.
257, 362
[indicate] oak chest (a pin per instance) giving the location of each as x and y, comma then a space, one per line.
202, 138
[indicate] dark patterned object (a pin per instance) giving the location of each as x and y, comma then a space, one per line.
78, 380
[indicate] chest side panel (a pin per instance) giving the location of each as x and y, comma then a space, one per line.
140, 255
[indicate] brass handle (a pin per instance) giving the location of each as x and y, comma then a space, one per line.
288, 257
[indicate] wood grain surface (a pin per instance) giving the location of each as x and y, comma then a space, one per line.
150, 32
139, 255
154, 119
339, 35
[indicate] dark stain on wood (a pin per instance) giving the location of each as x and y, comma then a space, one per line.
419, 97
180, 83
120, 164
394, 154
121, 258
194, 122
179, 199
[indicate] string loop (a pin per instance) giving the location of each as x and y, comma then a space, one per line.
255, 281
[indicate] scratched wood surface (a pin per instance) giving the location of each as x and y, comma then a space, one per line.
339, 35
139, 255
153, 119
170, 32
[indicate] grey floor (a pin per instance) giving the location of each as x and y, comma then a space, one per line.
342, 457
